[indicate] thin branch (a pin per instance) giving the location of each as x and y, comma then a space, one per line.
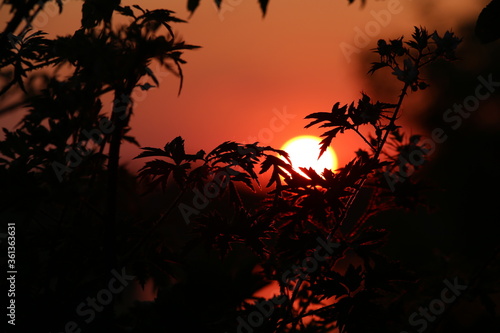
428, 61
289, 310
364, 139
385, 136
7, 87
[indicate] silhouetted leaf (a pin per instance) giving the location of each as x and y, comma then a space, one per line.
237, 176
159, 171
175, 149
367, 112
131, 139
192, 5
139, 8
420, 39
126, 11
337, 117
150, 73
152, 152
446, 45
263, 6
376, 66
60, 5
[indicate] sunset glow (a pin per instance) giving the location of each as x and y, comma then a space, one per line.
304, 151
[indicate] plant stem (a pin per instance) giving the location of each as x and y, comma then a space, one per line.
113, 166
352, 198
392, 122
21, 13
388, 129
364, 139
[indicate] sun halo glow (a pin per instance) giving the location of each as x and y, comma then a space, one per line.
304, 151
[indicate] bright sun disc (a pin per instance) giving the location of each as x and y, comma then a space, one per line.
304, 152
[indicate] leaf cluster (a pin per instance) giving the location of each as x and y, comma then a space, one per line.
238, 162
351, 118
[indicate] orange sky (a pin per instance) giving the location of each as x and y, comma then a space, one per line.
252, 70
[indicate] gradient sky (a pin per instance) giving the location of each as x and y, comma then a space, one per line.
252, 70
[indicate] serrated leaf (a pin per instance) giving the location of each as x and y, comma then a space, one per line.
131, 139
175, 149
126, 11
151, 152
139, 8
150, 73
280, 168
376, 66
146, 86
192, 5
328, 137
60, 5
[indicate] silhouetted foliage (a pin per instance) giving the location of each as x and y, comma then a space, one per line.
205, 243
487, 25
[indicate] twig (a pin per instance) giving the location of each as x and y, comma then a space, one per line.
363, 137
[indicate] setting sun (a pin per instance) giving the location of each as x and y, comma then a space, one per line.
304, 152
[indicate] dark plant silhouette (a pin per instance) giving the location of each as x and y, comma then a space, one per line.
487, 26
193, 4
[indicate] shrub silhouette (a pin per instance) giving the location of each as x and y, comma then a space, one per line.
212, 246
